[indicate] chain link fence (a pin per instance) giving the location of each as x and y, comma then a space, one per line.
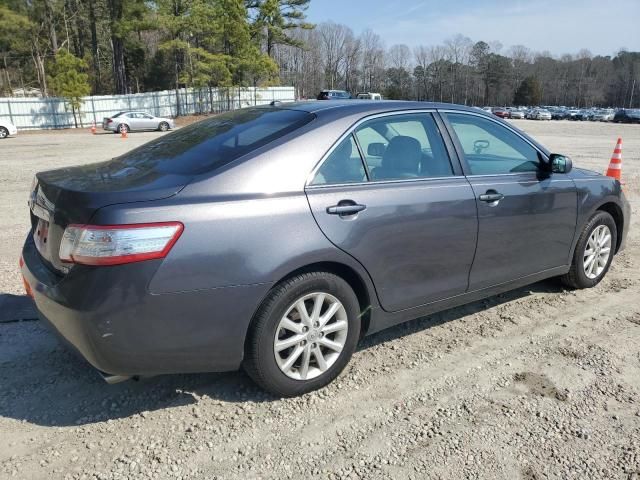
50, 113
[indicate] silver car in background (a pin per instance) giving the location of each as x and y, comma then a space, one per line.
123, 122
541, 114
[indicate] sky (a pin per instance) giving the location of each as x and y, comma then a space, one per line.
560, 26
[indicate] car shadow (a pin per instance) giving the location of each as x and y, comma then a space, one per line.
46, 384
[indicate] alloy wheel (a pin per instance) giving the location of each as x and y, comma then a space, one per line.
597, 252
310, 336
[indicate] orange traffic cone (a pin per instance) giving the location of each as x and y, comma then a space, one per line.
615, 165
123, 133
93, 128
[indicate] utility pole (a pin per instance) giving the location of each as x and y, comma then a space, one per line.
633, 87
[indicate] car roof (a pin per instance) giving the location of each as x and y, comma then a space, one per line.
348, 107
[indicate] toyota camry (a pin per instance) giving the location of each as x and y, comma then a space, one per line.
274, 238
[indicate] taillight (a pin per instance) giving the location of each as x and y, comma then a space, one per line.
109, 121
118, 244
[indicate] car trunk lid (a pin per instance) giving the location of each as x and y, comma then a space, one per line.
72, 195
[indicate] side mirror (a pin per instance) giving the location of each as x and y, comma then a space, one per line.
376, 149
560, 163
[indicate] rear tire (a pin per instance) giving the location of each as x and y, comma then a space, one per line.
123, 128
589, 265
319, 345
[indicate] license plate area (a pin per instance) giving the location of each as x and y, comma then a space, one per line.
41, 237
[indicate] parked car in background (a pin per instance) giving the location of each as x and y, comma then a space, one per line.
486, 109
573, 114
334, 95
500, 112
627, 115
7, 128
540, 114
604, 115
559, 114
516, 114
582, 115
368, 96
276, 237
123, 122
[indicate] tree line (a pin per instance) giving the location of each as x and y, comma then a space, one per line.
457, 71
73, 48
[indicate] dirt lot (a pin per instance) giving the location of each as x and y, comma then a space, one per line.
537, 383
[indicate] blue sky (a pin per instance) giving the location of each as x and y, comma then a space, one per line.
560, 26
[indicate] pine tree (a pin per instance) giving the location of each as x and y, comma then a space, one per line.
528, 93
275, 18
69, 80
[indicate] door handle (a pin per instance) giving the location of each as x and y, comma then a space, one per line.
343, 208
491, 196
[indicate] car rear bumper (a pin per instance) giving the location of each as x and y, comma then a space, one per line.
109, 317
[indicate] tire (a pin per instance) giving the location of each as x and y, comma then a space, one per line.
271, 373
4, 133
123, 127
579, 275
163, 127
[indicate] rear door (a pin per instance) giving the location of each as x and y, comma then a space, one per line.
135, 121
527, 217
406, 212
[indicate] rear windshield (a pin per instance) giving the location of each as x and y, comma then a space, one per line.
209, 144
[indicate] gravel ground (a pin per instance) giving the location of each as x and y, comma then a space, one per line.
536, 383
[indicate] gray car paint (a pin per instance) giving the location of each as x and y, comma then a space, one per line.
249, 224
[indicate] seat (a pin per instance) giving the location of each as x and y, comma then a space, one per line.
341, 167
401, 159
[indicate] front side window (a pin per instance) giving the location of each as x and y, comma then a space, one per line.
491, 149
403, 146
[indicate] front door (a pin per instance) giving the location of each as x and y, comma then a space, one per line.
405, 213
527, 217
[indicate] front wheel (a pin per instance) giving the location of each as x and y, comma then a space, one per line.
4, 133
594, 252
303, 335
163, 127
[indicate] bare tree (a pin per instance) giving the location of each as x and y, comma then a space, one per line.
333, 37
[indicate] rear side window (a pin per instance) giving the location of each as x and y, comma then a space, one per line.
343, 165
210, 144
404, 146
395, 147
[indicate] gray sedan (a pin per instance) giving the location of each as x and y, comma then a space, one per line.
123, 122
276, 237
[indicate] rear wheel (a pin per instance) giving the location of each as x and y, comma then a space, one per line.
303, 334
123, 128
163, 127
4, 133
594, 252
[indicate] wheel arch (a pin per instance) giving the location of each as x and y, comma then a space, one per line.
615, 211
347, 273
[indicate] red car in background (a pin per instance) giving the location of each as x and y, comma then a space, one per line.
500, 112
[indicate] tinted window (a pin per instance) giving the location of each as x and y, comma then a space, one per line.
491, 149
209, 144
343, 165
403, 146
